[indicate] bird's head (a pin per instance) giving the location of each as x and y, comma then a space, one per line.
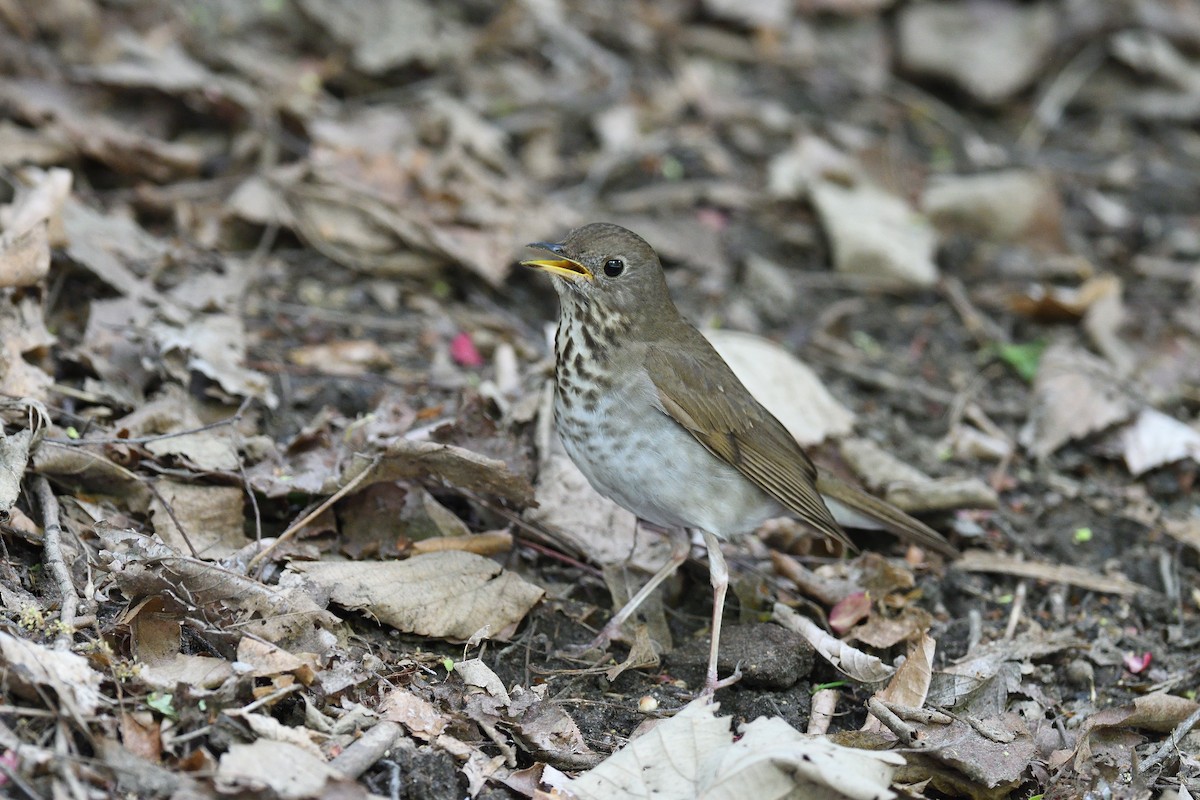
609, 268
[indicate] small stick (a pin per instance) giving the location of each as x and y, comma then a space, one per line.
52, 547
1018, 608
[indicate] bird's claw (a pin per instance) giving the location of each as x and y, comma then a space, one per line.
712, 683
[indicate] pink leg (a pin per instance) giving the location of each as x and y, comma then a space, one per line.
612, 630
718, 574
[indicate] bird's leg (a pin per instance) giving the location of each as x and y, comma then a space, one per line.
718, 574
679, 554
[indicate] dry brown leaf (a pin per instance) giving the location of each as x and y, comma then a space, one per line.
285, 614
1154, 439
849, 611
291, 772
162, 63
28, 668
14, 453
91, 470
1075, 395
883, 632
414, 713
66, 113
214, 345
910, 685
270, 729
1185, 531
24, 257
988, 760
22, 332
876, 234
693, 755
405, 459
141, 734
1158, 711
849, 660
210, 518
206, 672
450, 595
267, 660
41, 195
348, 357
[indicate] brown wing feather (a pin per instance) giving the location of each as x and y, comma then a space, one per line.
720, 412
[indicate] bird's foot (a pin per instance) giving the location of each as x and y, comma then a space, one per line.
712, 683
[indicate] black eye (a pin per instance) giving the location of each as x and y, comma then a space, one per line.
614, 267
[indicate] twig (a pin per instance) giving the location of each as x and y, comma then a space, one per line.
52, 547
362, 754
310, 516
978, 324
63, 762
1018, 607
906, 733
1171, 744
1048, 108
171, 513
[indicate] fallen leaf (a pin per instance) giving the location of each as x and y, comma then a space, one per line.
450, 594
853, 662
1154, 439
849, 612
693, 755
291, 772
1075, 395
29, 668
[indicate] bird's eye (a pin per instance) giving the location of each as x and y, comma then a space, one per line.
614, 267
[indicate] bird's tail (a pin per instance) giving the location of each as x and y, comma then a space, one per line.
885, 514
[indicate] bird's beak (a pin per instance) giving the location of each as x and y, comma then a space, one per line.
562, 266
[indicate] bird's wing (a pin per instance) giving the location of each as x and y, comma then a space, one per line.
720, 412
723, 416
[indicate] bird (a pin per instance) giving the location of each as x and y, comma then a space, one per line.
657, 421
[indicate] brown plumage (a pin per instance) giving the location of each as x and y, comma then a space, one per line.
657, 421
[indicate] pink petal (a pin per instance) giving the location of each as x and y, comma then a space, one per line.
849, 611
464, 352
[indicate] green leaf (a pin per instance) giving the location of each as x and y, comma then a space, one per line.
1023, 358
1083, 535
163, 704
831, 685
448, 663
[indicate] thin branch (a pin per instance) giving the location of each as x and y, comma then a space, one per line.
52, 547
310, 516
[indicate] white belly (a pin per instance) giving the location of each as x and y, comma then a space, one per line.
661, 473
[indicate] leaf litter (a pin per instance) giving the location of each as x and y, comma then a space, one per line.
271, 450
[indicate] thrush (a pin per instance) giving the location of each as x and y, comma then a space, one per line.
658, 422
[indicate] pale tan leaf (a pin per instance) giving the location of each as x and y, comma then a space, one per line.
450, 594
27, 667
414, 713
1075, 395
209, 517
910, 685
849, 660
289, 771
1154, 439
693, 755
